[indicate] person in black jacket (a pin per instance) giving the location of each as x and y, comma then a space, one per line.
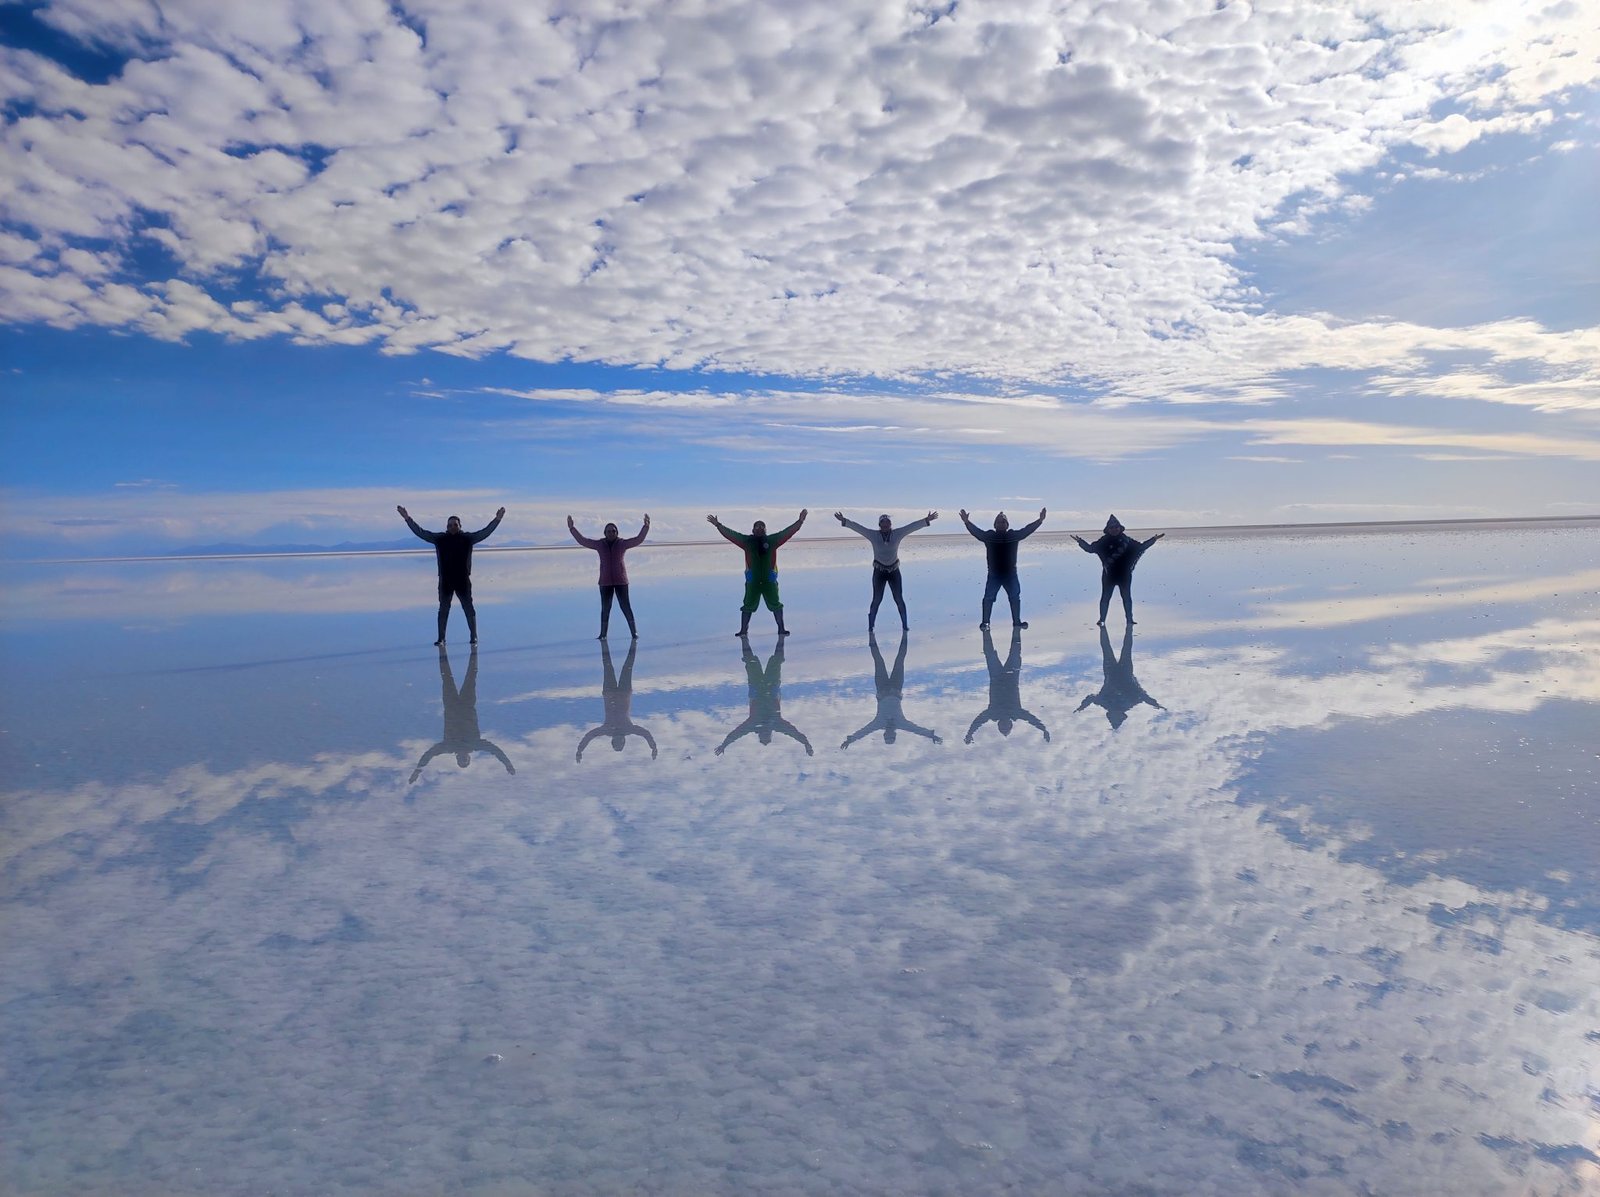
453, 549
1118, 553
1000, 547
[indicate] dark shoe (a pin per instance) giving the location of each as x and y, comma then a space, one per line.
601, 636
783, 631
474, 640
1023, 624
984, 626
439, 643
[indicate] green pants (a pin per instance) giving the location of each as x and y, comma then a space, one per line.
755, 591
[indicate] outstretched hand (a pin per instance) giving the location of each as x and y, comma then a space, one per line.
404, 514
1158, 536
647, 519
839, 515
711, 519
1041, 513
803, 514
963, 513
932, 515
570, 524
501, 514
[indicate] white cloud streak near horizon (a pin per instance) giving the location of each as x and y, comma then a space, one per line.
1028, 192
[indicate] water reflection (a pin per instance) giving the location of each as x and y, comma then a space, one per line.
766, 701
617, 695
889, 686
1005, 689
1120, 692
461, 735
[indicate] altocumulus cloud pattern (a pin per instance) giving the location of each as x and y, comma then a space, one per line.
1023, 191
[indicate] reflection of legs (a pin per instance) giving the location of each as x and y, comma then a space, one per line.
991, 587
899, 598
606, 593
1126, 586
1106, 586
1013, 585
627, 610
878, 579
464, 595
444, 608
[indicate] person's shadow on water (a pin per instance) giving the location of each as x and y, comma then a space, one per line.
617, 695
889, 687
1005, 690
766, 702
1121, 691
461, 734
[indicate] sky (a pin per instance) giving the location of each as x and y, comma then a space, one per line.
268, 270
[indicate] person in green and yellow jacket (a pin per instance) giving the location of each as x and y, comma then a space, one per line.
760, 567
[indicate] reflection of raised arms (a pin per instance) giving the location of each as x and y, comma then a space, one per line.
461, 735
1120, 691
765, 696
618, 699
1005, 700
889, 687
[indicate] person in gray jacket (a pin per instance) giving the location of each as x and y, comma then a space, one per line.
885, 540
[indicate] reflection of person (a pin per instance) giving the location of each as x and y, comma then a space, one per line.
1005, 689
453, 549
461, 735
1121, 691
1001, 549
889, 686
885, 540
613, 572
618, 698
760, 567
766, 702
1118, 553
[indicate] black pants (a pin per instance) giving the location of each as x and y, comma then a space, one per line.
462, 589
1124, 583
891, 579
1013, 588
621, 593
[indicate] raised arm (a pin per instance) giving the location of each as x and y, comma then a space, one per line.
421, 532
423, 760
1030, 529
1145, 544
983, 717
635, 729
491, 747
917, 729
1029, 717
783, 537
1084, 544
726, 532
487, 530
794, 733
973, 528
915, 524
589, 738
580, 537
858, 529
635, 541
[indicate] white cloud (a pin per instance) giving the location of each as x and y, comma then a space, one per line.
1030, 192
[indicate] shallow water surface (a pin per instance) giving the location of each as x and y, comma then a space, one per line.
1296, 890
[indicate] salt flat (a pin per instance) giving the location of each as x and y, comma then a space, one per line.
291, 907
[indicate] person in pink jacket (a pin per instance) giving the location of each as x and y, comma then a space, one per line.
613, 573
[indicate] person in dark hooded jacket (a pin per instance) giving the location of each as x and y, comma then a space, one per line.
1118, 553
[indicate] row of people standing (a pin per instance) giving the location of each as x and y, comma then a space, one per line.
1118, 553
1118, 695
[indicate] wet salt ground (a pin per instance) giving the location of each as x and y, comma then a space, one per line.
1325, 921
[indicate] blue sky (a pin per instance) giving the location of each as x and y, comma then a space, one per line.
267, 270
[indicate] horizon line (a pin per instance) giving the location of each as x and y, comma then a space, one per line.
1181, 530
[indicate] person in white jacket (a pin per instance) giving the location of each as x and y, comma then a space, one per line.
885, 540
